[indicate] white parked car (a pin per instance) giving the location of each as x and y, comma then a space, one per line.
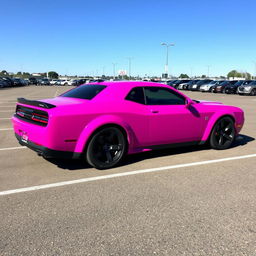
53, 81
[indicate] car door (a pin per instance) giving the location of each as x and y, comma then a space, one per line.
170, 119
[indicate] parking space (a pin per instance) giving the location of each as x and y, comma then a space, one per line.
178, 210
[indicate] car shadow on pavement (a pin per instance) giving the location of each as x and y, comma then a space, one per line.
72, 165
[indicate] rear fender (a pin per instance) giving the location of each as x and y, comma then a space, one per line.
99, 122
212, 122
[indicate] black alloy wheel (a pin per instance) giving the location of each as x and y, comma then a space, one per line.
253, 92
223, 133
106, 148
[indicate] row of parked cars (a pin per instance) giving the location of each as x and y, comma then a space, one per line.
15, 82
12, 82
216, 86
62, 82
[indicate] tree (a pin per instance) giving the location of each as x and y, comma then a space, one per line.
53, 75
235, 73
183, 76
4, 73
203, 76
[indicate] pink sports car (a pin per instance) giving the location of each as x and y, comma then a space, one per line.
102, 122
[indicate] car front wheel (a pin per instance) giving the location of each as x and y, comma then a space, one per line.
253, 92
106, 148
223, 133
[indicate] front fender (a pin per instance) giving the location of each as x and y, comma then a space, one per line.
99, 122
212, 121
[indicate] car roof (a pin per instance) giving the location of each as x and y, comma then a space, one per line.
129, 84
119, 89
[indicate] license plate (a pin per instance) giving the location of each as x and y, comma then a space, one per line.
24, 137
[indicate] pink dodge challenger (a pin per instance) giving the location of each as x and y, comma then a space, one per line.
102, 122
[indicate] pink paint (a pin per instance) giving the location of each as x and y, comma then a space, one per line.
73, 121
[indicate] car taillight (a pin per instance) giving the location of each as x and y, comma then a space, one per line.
32, 115
40, 118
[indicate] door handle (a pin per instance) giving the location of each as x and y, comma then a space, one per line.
154, 111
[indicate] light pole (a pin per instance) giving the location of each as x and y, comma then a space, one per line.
130, 63
208, 71
167, 57
254, 69
114, 70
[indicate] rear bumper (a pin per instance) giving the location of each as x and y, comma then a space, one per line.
47, 152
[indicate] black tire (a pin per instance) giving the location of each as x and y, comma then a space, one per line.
253, 92
223, 133
106, 148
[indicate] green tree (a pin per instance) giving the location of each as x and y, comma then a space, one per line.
26, 75
4, 73
53, 75
235, 73
183, 76
203, 76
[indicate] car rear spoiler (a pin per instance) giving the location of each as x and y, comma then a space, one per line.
36, 103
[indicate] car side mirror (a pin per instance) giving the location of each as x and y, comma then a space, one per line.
189, 102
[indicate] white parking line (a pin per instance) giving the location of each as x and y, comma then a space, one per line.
2, 111
6, 129
5, 118
116, 175
56, 93
13, 148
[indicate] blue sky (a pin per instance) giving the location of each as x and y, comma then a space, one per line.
85, 37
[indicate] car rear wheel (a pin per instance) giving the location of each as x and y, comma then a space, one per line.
223, 133
106, 148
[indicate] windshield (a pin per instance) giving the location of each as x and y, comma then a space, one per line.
238, 83
252, 83
224, 83
203, 82
86, 92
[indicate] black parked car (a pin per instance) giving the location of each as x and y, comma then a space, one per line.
33, 80
44, 81
197, 85
9, 81
232, 88
3, 83
171, 82
80, 81
19, 82
220, 88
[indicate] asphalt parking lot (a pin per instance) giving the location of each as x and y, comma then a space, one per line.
196, 201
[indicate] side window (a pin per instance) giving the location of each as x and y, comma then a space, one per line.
163, 96
136, 95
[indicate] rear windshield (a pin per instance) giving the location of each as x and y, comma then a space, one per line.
86, 92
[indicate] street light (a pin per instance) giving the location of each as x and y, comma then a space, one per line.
208, 71
114, 70
130, 60
254, 62
166, 65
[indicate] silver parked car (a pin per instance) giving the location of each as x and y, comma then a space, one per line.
249, 89
208, 87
